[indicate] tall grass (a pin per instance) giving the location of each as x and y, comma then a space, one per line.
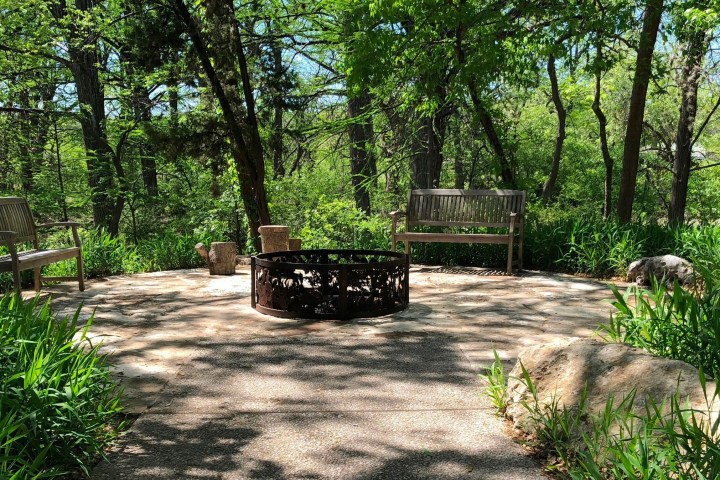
604, 249
57, 400
675, 323
662, 441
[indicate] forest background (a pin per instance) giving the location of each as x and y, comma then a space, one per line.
162, 123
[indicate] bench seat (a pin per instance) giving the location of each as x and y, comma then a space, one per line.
452, 237
34, 258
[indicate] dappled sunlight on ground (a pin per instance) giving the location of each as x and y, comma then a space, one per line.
236, 394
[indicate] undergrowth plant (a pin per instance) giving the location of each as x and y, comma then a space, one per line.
626, 439
675, 323
496, 389
59, 408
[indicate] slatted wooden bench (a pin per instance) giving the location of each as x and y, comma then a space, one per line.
18, 228
451, 208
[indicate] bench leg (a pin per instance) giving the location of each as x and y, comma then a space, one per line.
16, 280
81, 281
520, 246
36, 272
393, 243
510, 254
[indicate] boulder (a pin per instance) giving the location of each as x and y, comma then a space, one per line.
561, 370
668, 266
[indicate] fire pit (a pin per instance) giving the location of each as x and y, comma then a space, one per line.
330, 284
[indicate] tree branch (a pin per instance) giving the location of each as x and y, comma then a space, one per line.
704, 124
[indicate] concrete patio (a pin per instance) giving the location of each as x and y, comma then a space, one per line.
225, 392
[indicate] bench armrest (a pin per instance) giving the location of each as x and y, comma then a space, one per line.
72, 225
7, 237
59, 224
397, 214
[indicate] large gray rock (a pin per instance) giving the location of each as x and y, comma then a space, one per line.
562, 369
668, 266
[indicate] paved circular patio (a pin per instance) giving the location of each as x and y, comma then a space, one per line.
225, 392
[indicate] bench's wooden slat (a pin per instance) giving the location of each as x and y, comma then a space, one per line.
34, 258
453, 237
428, 223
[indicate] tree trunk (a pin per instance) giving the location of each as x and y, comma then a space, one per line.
689, 81
459, 172
91, 97
550, 187
633, 134
362, 159
506, 172
35, 128
142, 110
427, 156
507, 175
84, 62
607, 159
221, 68
276, 137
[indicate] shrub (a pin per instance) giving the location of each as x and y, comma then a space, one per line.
57, 399
167, 251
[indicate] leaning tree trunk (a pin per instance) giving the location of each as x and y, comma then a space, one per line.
633, 134
221, 66
550, 187
607, 158
682, 162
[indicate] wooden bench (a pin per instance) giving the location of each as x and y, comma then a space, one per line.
17, 227
497, 209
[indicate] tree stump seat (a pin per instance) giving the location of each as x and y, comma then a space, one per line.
221, 259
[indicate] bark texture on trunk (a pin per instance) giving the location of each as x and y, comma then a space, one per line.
507, 175
633, 134
107, 194
276, 137
362, 160
550, 187
427, 155
689, 82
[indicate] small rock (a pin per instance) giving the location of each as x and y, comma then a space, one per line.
668, 266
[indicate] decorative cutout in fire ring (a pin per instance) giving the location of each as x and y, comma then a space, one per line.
330, 284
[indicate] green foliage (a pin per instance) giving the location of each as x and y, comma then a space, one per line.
678, 324
664, 441
496, 389
601, 248
57, 400
105, 255
171, 252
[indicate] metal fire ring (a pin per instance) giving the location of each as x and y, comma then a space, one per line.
330, 284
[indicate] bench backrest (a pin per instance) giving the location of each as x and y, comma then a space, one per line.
15, 216
464, 208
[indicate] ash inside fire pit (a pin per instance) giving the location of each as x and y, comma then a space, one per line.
331, 284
